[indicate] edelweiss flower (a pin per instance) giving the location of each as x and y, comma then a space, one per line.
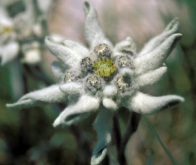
24, 31
104, 78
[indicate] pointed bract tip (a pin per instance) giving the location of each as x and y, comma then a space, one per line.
86, 7
50, 42
48, 39
177, 37
8, 105
96, 159
12, 106
177, 100
129, 39
57, 122
173, 24
181, 99
176, 19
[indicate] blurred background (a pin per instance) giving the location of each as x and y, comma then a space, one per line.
28, 137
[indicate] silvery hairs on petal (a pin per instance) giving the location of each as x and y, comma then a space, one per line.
50, 94
45, 5
171, 28
145, 104
93, 31
69, 53
4, 18
8, 52
102, 79
32, 53
74, 113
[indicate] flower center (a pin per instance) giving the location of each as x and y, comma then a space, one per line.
104, 67
124, 61
6, 30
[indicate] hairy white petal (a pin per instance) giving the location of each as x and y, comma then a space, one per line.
173, 25
110, 91
103, 126
57, 69
156, 58
151, 77
57, 38
24, 104
44, 5
93, 31
51, 94
145, 104
66, 55
156, 41
38, 29
78, 111
30, 11
109, 104
80, 49
4, 18
125, 46
126, 72
9, 52
32, 56
72, 88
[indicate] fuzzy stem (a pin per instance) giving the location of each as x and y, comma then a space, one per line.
16, 80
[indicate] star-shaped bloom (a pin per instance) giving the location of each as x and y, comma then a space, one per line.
22, 33
104, 78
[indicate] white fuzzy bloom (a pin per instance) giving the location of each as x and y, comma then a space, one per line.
104, 78
21, 31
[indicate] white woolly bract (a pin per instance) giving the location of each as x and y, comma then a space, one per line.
72, 88
9, 52
110, 91
73, 113
145, 104
32, 56
67, 56
151, 77
109, 104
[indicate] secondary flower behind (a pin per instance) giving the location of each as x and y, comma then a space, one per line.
104, 78
24, 32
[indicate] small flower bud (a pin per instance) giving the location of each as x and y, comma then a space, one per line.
102, 50
70, 76
124, 61
93, 82
86, 65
